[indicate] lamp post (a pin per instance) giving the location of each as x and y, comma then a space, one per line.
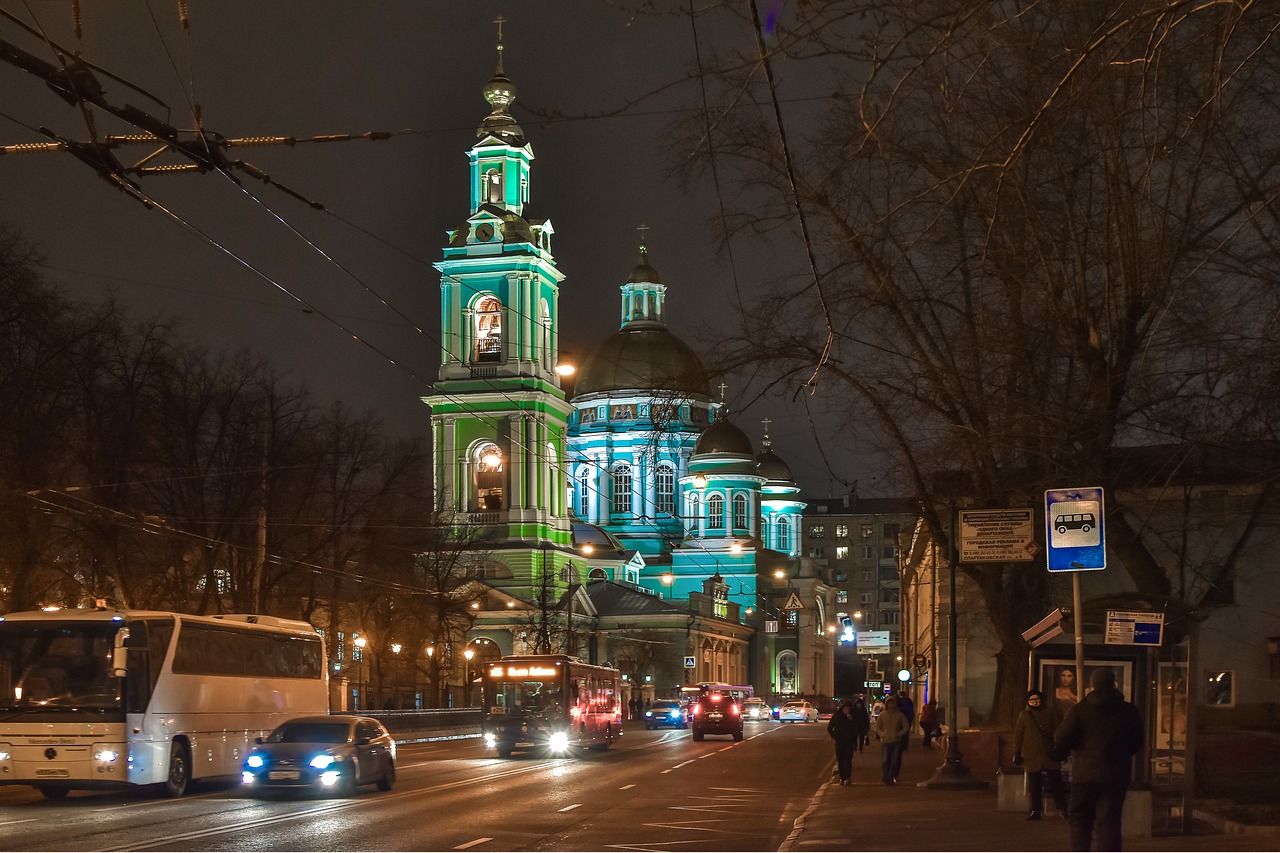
468, 654
953, 772
361, 642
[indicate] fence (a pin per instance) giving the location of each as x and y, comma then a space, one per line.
431, 724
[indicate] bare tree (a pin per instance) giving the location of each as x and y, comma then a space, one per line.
1025, 236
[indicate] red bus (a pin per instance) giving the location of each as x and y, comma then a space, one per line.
550, 702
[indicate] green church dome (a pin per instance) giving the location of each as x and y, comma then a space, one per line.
723, 437
646, 358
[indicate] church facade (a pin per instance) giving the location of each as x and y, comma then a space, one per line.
630, 522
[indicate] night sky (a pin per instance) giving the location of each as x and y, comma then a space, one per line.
415, 68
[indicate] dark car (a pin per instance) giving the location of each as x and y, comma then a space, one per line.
715, 713
335, 753
665, 712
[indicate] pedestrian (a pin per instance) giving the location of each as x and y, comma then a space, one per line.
929, 723
631, 708
890, 727
1101, 733
1032, 746
843, 731
908, 709
861, 722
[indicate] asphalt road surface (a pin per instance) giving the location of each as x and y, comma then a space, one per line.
654, 790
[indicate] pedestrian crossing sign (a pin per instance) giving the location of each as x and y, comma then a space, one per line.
793, 602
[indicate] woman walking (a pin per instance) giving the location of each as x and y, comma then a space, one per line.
889, 727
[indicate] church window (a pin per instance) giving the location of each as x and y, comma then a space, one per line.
692, 515
665, 489
740, 512
568, 574
488, 320
584, 497
784, 535
545, 328
622, 489
489, 478
493, 186
524, 193
597, 575
715, 513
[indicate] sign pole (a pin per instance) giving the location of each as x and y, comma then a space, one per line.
1079, 620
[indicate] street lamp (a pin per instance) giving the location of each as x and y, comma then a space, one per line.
468, 654
361, 642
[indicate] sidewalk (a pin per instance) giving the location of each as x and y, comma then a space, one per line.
869, 815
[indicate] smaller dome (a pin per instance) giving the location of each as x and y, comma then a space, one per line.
723, 437
643, 272
598, 538
770, 466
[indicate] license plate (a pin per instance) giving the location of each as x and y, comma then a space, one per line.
284, 774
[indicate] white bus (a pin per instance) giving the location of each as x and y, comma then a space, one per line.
110, 698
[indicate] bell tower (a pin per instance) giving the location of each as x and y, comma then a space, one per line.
498, 414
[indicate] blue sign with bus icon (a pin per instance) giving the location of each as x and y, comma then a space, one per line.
1074, 518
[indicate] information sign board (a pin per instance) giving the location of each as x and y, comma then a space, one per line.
997, 536
873, 642
1134, 628
1074, 528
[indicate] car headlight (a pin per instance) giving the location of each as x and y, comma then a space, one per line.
490, 740
320, 762
254, 760
559, 741
248, 778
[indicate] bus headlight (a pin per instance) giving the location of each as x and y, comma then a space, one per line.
107, 755
559, 741
490, 740
320, 762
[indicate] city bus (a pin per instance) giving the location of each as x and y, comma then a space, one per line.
550, 702
113, 698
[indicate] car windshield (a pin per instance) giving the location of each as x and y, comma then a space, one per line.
310, 733
665, 705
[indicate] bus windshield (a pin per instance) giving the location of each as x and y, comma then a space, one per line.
48, 665
513, 698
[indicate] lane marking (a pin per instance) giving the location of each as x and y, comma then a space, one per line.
570, 808
471, 844
626, 787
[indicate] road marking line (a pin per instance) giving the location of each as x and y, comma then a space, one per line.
625, 787
570, 808
470, 844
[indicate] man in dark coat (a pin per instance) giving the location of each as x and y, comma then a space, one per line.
842, 731
1102, 734
908, 709
861, 722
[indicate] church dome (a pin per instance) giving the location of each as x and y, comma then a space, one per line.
723, 437
770, 466
646, 358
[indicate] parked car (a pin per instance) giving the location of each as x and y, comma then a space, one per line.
335, 753
798, 711
665, 712
756, 709
715, 713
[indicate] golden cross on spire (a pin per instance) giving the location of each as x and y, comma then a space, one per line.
722, 390
766, 423
643, 229
500, 21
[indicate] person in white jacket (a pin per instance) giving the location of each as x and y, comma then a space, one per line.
889, 728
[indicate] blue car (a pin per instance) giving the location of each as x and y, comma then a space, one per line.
665, 712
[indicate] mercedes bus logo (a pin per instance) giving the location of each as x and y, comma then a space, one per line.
51, 753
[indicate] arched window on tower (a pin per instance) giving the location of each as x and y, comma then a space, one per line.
597, 575
784, 535
488, 480
488, 321
739, 512
545, 324
622, 489
493, 186
665, 490
584, 495
715, 512
691, 518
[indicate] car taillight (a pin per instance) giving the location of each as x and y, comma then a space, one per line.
697, 709
733, 709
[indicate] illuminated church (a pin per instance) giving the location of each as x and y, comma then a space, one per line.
630, 522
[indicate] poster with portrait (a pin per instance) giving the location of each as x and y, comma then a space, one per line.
1171, 707
1058, 680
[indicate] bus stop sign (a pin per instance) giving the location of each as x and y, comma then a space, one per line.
1073, 521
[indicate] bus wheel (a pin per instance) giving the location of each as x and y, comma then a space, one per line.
179, 770
388, 777
54, 792
608, 739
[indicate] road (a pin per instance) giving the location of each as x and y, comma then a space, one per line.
654, 790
